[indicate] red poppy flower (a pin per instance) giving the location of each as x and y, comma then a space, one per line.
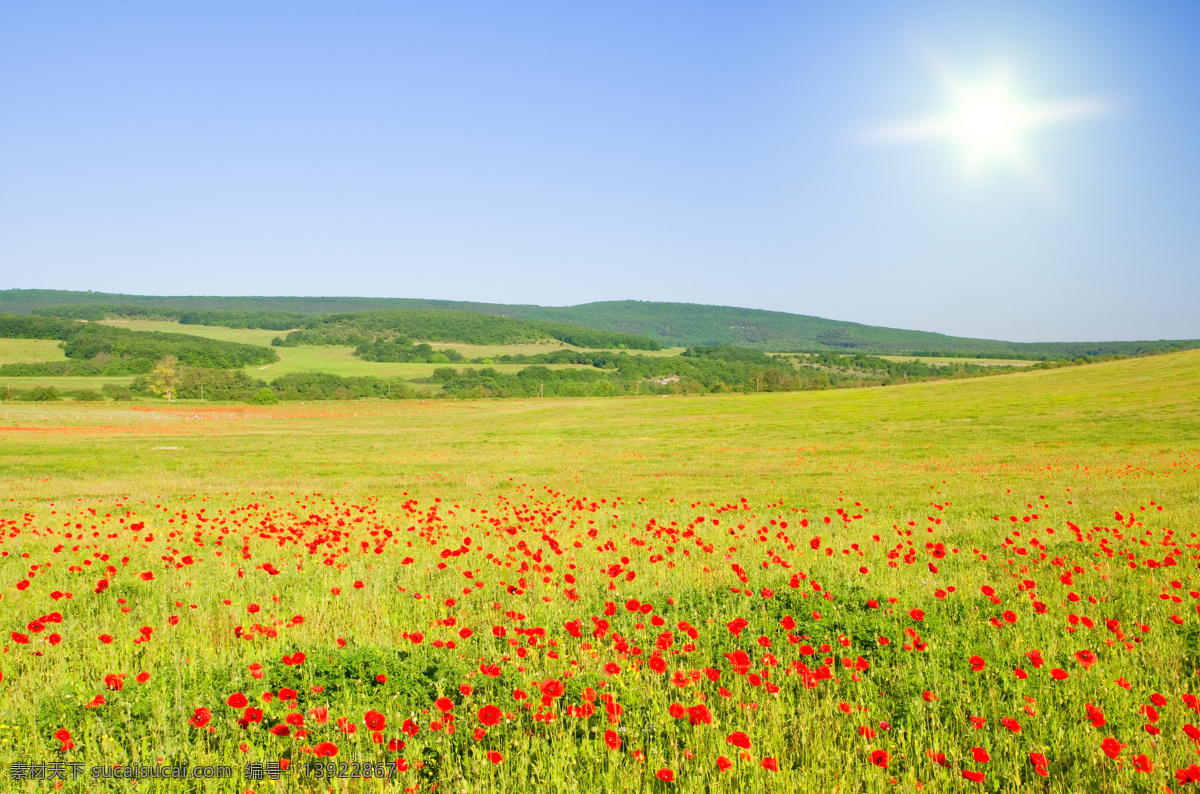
980, 755
552, 688
325, 750
666, 775
490, 715
975, 777
977, 663
1142, 763
928, 696
1111, 747
494, 757
1011, 724
880, 758
444, 705
1059, 674
200, 718
724, 764
612, 740
770, 764
739, 739
916, 614
375, 721
237, 700
143, 677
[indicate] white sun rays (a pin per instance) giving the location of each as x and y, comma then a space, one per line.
989, 122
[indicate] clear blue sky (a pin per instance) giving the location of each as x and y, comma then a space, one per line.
560, 153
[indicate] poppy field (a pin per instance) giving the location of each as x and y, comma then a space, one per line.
974, 586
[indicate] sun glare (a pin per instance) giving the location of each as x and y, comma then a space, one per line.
989, 122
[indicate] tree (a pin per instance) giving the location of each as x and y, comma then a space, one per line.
165, 376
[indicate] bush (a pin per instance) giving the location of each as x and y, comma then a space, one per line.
86, 396
263, 396
42, 394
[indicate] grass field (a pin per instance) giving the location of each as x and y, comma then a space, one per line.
340, 360
989, 362
849, 590
29, 351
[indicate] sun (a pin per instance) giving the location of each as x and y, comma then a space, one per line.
989, 122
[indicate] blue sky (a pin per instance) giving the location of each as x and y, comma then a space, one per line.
561, 153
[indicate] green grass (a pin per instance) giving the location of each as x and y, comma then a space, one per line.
1073, 446
29, 351
339, 360
989, 362
63, 383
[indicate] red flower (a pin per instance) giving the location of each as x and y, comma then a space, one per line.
724, 764
770, 764
114, 682
666, 775
612, 668
444, 705
980, 755
64, 736
1011, 724
237, 700
1111, 747
494, 757
552, 688
880, 758
200, 718
1095, 715
375, 721
916, 614
1059, 674
143, 677
104, 638
739, 739
1142, 763
975, 777
1037, 759
977, 663
325, 750
612, 740
490, 715
1086, 658
928, 696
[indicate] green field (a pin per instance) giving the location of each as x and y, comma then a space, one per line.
792, 512
339, 360
28, 351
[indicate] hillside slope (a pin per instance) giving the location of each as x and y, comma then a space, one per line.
671, 324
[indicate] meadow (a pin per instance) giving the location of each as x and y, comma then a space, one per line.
976, 585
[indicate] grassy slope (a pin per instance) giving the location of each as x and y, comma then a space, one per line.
29, 351
673, 324
1144, 412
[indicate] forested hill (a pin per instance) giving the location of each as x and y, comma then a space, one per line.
671, 324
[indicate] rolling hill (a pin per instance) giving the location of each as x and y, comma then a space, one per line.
670, 324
